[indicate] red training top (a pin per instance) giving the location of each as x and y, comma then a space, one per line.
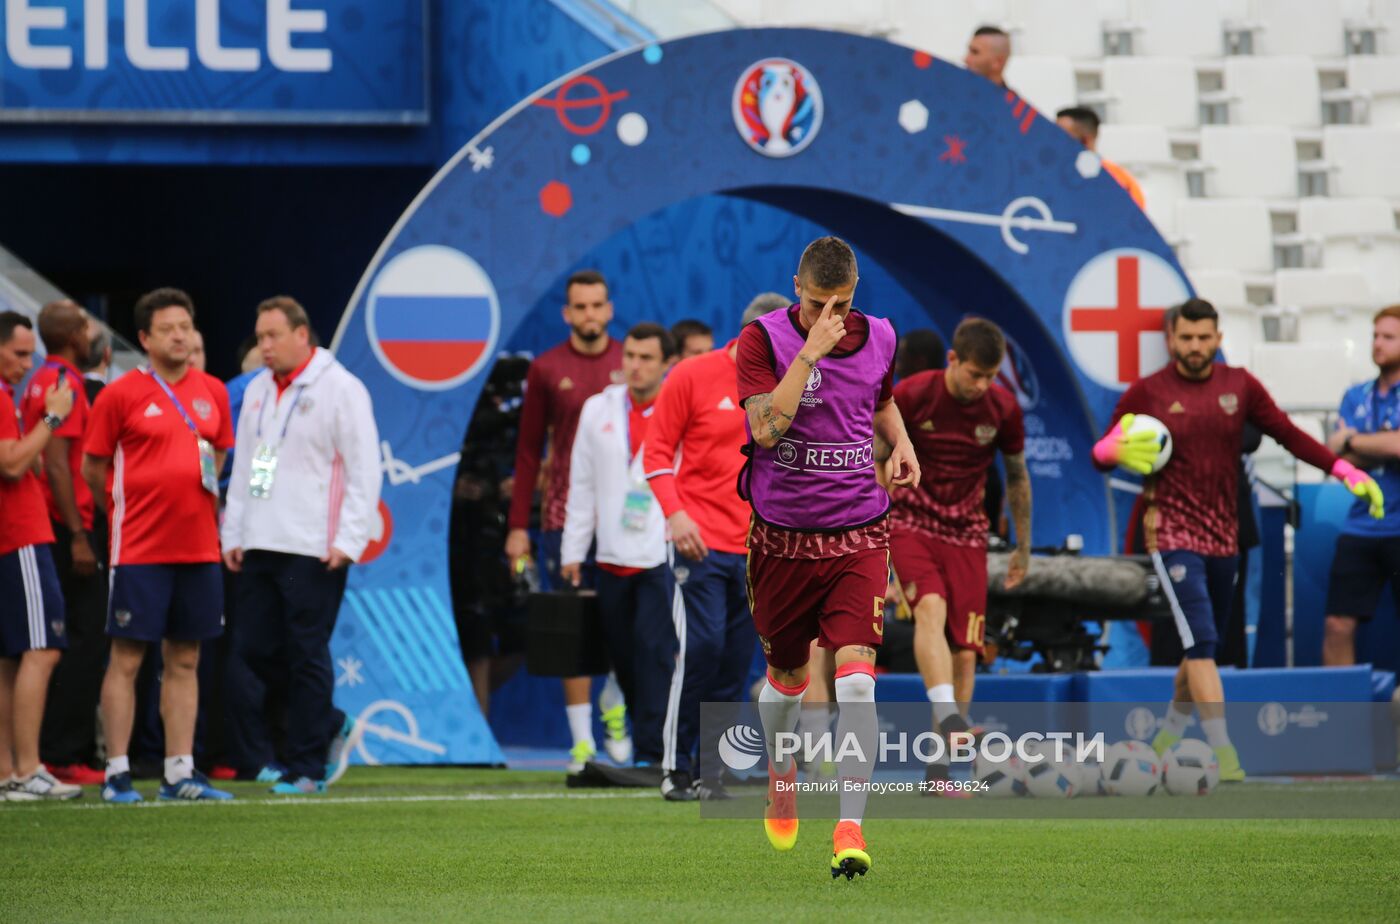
956, 443
157, 505
72, 429
693, 453
23, 519
1192, 503
558, 383
758, 375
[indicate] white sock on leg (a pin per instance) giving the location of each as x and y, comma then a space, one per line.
855, 691
941, 695
580, 722
117, 766
1177, 720
1216, 736
779, 708
177, 768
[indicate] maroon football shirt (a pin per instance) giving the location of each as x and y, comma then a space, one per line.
558, 383
1193, 503
955, 443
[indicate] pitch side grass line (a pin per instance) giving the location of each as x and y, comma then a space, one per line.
329, 800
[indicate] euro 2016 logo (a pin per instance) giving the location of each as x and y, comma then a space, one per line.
777, 107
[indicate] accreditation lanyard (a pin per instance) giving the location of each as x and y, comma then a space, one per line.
208, 471
636, 506
263, 471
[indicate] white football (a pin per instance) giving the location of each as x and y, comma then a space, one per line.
1049, 778
1145, 423
999, 778
1189, 768
1090, 778
1131, 768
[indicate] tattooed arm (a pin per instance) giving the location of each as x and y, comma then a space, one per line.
771, 413
1018, 496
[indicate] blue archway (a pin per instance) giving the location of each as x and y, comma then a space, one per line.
967, 198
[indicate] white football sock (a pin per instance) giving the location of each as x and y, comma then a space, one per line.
1176, 720
179, 767
941, 695
117, 766
855, 691
780, 711
1216, 736
580, 722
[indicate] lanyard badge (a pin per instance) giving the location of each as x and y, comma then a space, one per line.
208, 470
263, 471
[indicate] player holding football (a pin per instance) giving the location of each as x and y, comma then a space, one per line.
958, 419
1190, 523
816, 382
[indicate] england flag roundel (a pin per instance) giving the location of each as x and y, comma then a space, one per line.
1113, 315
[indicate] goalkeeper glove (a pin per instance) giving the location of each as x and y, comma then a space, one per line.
1136, 452
1362, 485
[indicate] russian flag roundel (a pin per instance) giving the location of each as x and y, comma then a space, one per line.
433, 317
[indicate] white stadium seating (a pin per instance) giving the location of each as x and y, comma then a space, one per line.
1056, 27
1145, 151
1185, 28
1297, 97
1365, 160
1301, 27
1240, 161
1355, 234
1273, 91
1240, 321
1374, 83
1047, 82
1225, 234
1151, 91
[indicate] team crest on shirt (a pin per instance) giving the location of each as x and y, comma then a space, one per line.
985, 433
122, 617
1178, 573
566, 384
767, 645
927, 425
202, 408
305, 405
57, 626
1229, 403
1176, 408
615, 376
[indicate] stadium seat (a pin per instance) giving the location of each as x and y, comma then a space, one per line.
1240, 161
1331, 304
1355, 234
1299, 27
1057, 27
1329, 365
1151, 91
1047, 82
1185, 28
1373, 82
942, 27
1145, 151
1225, 234
1273, 91
1240, 321
1363, 159
864, 18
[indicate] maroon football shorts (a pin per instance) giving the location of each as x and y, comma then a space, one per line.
923, 566
838, 601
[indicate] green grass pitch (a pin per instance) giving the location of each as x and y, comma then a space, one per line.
451, 844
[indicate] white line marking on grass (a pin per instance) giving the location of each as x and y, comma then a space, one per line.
345, 800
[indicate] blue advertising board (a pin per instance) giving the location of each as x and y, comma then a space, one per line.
234, 61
